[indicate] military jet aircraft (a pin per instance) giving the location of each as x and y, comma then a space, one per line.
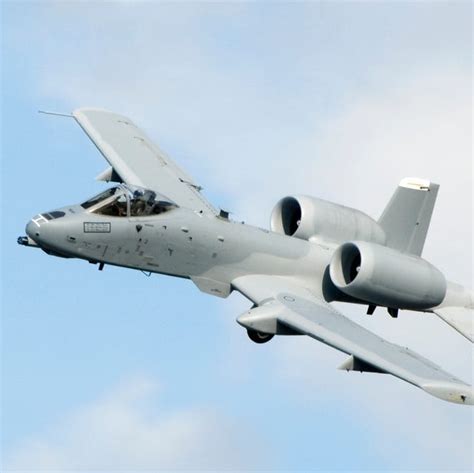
155, 219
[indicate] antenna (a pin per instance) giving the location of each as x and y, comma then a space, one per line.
59, 114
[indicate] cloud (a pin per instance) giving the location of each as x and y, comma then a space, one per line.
127, 429
230, 129
409, 124
251, 138
421, 126
233, 122
408, 429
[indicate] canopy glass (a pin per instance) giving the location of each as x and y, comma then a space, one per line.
125, 201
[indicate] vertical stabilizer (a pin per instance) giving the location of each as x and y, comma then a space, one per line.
407, 217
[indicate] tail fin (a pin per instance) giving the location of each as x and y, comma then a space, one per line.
407, 217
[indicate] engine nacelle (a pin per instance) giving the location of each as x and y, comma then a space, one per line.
307, 217
386, 277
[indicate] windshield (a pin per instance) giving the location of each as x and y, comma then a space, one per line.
116, 206
124, 201
99, 198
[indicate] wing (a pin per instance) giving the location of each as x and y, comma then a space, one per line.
282, 304
137, 161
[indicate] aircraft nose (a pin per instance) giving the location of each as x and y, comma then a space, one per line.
47, 230
32, 230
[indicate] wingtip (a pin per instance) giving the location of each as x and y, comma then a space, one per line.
451, 392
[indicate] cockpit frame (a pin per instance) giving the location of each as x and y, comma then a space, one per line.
127, 201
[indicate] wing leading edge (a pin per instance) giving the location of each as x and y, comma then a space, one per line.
136, 161
281, 302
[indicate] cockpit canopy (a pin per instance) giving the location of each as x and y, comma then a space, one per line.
125, 201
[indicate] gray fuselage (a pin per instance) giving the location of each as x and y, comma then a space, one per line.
181, 243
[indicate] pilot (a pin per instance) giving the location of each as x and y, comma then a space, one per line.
138, 207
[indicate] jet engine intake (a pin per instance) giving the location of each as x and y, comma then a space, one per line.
308, 218
386, 277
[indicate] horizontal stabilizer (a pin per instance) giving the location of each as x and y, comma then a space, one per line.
460, 318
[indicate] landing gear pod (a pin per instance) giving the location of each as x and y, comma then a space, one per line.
259, 337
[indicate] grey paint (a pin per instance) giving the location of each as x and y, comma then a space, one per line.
299, 309
386, 277
407, 217
314, 219
460, 318
287, 278
137, 160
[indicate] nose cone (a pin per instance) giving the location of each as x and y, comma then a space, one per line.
40, 229
49, 231
33, 230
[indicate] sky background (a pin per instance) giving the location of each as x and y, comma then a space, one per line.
112, 370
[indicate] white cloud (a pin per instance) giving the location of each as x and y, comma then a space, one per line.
407, 428
127, 430
419, 126
250, 144
233, 134
229, 122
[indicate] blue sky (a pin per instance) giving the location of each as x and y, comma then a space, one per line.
108, 370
